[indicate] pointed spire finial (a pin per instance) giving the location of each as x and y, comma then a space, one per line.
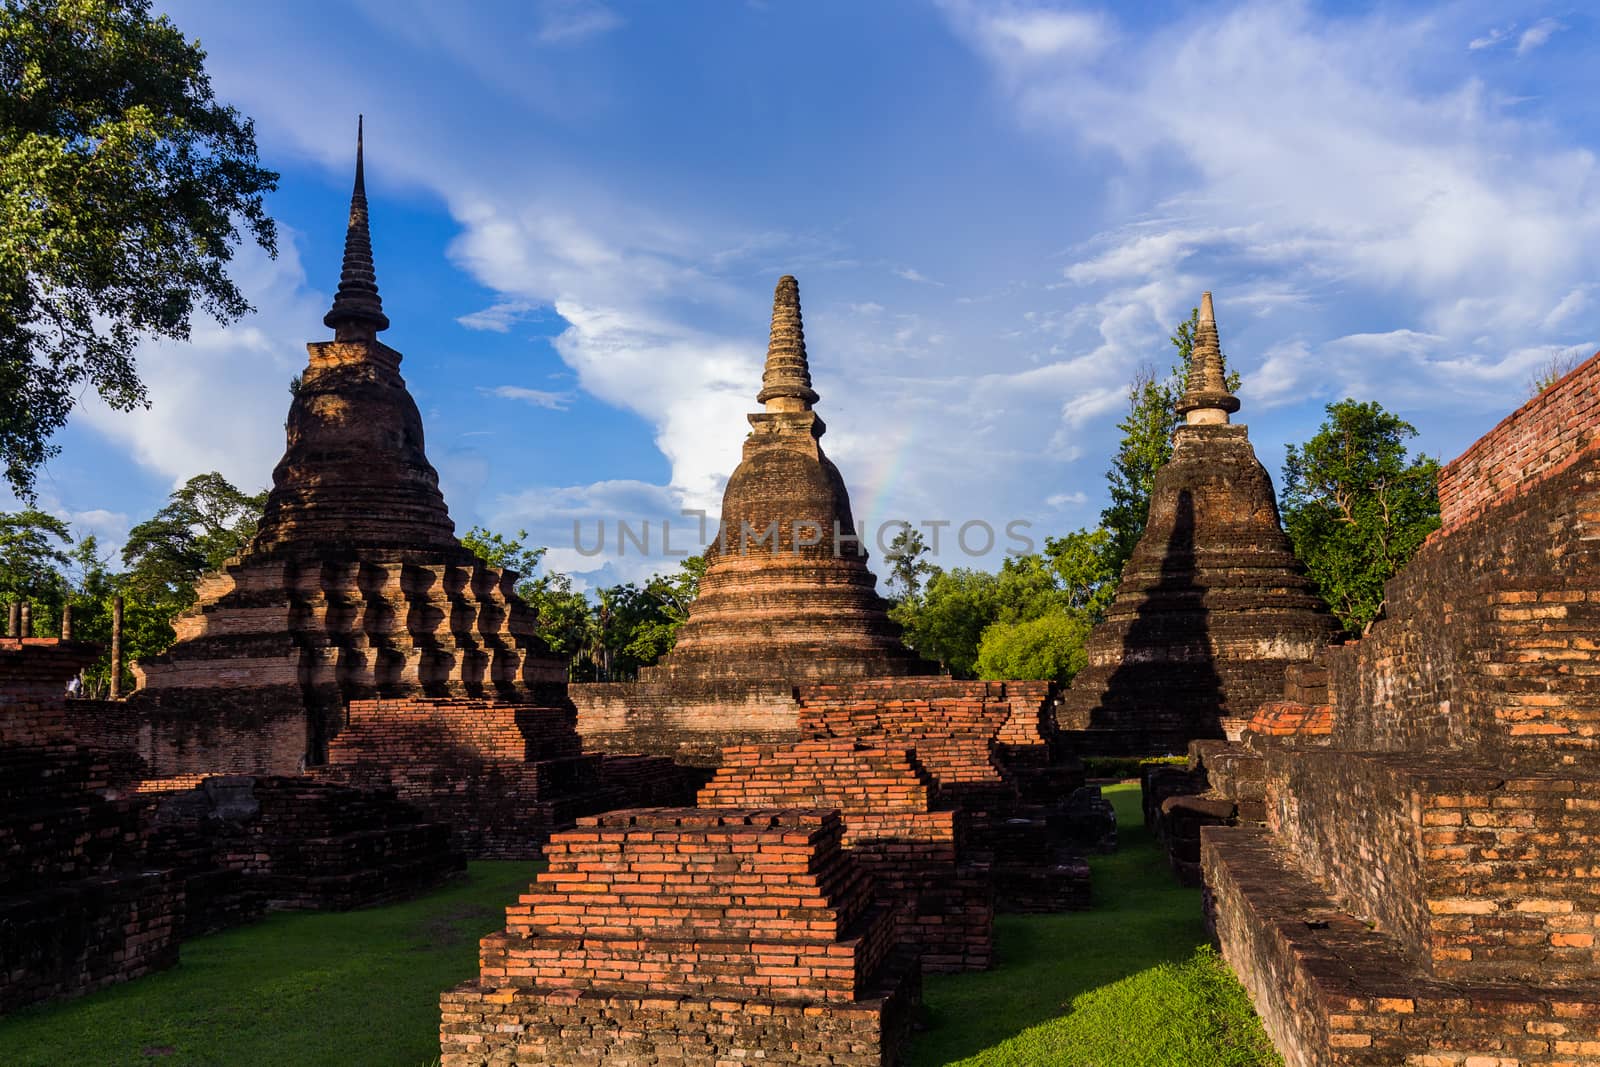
357, 312
1206, 399
786, 381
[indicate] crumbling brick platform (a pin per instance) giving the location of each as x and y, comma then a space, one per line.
942, 902
503, 776
991, 750
79, 907
681, 935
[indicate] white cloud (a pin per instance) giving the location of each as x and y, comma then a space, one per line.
539, 398
911, 274
218, 401
1284, 145
1537, 34
1496, 35
499, 317
571, 22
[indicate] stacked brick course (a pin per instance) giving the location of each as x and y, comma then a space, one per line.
689, 936
1424, 890
991, 750
1213, 606
503, 776
942, 902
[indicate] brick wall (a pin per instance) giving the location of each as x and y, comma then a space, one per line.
943, 905
1489, 636
687, 722
503, 776
1540, 439
677, 933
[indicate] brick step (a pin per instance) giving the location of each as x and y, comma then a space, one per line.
1485, 873
1335, 992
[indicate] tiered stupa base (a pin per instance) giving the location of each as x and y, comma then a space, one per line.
1212, 609
277, 647
689, 936
943, 903
992, 752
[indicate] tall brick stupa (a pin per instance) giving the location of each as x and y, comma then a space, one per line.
1213, 606
355, 585
787, 595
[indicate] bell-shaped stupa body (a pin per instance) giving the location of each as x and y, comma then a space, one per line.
1213, 606
355, 585
786, 597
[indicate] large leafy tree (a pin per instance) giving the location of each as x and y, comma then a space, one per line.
124, 188
34, 557
1357, 505
204, 522
1146, 443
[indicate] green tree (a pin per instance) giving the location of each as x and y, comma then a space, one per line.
124, 187
1357, 506
563, 614
204, 523
1050, 646
1084, 569
948, 622
1146, 444
33, 562
909, 565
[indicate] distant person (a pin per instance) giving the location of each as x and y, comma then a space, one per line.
74, 686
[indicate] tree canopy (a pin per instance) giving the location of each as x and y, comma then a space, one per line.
1357, 506
124, 188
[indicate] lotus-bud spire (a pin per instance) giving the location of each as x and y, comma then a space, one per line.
786, 381
357, 312
1206, 398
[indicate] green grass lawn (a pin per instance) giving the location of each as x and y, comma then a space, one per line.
350, 989
1126, 984
1120, 986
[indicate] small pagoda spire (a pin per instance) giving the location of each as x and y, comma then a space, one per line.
1206, 399
786, 381
357, 312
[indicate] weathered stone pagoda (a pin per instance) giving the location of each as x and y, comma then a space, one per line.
1213, 606
354, 586
786, 599
786, 594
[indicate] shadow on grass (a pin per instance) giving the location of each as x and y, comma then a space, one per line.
1141, 918
349, 989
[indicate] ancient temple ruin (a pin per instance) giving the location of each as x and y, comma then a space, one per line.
786, 599
681, 935
354, 586
1213, 606
1424, 888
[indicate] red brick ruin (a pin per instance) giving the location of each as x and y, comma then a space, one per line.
1213, 605
786, 599
690, 936
1421, 886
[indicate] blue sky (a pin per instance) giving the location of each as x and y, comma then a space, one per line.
997, 212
